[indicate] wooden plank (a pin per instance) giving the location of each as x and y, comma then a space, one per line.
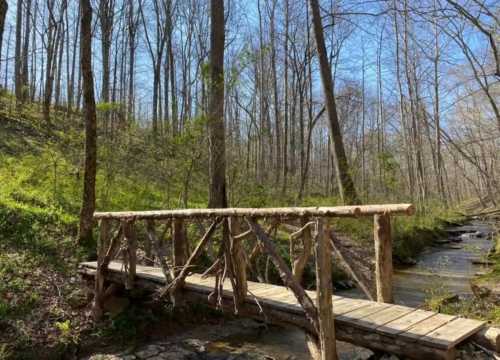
201, 281
284, 300
345, 305
380, 318
452, 333
399, 325
361, 313
426, 326
264, 290
254, 286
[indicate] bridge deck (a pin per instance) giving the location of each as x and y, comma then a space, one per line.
400, 329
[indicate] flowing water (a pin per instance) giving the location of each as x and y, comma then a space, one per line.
445, 268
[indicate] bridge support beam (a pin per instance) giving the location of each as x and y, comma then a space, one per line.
383, 257
324, 293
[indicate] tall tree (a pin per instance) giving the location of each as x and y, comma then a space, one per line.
106, 21
4, 6
18, 81
216, 129
89, 111
346, 185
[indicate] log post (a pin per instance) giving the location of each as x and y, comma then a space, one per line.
383, 257
131, 252
324, 293
179, 249
238, 261
102, 247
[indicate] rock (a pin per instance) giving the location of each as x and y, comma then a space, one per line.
480, 291
486, 290
78, 298
450, 299
441, 241
174, 352
389, 357
149, 351
104, 357
196, 344
115, 305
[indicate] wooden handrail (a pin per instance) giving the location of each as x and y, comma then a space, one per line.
288, 212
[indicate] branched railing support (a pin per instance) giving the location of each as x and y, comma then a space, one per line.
159, 249
299, 258
174, 285
286, 275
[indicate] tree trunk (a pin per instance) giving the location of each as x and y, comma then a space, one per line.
89, 110
346, 185
18, 57
216, 130
3, 13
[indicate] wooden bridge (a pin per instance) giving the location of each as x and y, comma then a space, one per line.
239, 236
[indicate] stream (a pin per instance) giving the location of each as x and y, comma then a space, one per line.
448, 266
444, 268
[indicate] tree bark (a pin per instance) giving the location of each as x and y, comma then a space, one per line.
89, 111
18, 60
346, 185
216, 129
4, 6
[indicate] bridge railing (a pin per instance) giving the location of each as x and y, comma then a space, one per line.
238, 236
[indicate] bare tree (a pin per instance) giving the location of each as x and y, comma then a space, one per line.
216, 128
3, 13
88, 201
345, 183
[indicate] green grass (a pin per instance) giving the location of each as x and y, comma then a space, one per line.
476, 308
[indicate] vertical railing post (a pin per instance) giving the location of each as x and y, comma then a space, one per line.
324, 293
238, 261
383, 257
102, 247
131, 253
179, 255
